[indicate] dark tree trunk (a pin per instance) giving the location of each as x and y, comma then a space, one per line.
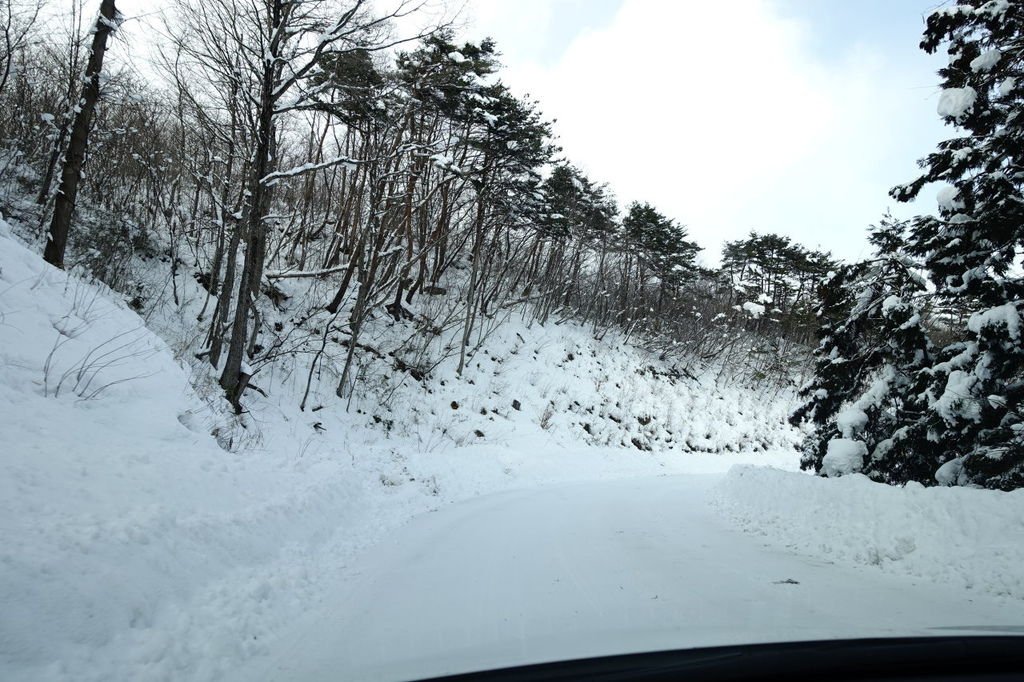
58, 145
71, 174
255, 227
220, 313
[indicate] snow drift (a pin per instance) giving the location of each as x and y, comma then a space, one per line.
965, 537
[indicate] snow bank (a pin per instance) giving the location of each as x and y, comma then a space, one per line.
522, 380
966, 537
134, 547
117, 504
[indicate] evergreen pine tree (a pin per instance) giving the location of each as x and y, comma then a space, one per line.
872, 350
661, 243
971, 249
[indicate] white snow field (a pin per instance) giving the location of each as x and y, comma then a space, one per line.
136, 547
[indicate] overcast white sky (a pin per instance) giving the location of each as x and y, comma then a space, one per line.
789, 116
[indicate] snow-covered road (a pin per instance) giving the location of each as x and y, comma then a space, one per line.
593, 569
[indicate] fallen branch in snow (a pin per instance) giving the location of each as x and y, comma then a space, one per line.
417, 373
257, 389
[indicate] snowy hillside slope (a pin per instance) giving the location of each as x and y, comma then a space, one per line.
554, 380
137, 547
559, 384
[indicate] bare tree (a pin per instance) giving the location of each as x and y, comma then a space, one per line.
71, 175
67, 62
16, 22
274, 51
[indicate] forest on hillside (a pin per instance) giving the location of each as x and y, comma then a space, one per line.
396, 178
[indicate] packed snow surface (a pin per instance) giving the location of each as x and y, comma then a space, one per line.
595, 569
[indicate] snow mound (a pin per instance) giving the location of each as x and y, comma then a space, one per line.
966, 537
844, 456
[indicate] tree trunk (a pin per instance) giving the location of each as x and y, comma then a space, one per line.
255, 229
58, 145
478, 240
64, 206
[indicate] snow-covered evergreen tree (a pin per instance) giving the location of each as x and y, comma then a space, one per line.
971, 249
868, 364
770, 273
661, 243
884, 400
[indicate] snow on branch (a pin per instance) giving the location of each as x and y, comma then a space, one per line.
112, 24
323, 45
275, 177
293, 274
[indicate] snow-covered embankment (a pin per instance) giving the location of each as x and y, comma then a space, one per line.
963, 537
